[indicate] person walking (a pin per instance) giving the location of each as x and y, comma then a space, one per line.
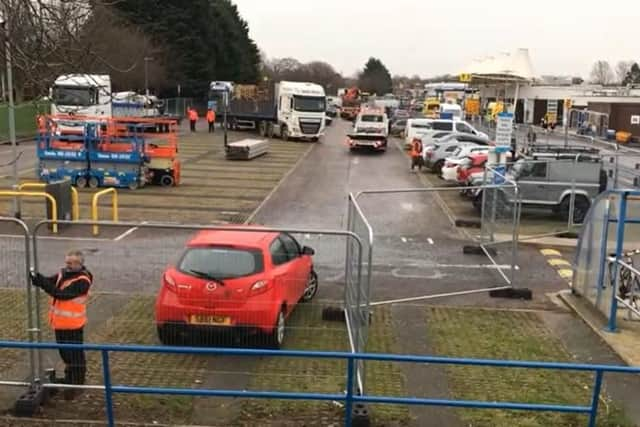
69, 292
416, 154
193, 118
211, 119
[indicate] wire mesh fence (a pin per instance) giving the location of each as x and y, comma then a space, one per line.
204, 286
177, 106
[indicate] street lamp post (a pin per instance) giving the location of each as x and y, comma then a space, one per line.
146, 74
12, 115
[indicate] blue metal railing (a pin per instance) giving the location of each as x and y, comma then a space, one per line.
349, 397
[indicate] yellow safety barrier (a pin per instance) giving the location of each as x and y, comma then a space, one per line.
94, 207
54, 204
75, 199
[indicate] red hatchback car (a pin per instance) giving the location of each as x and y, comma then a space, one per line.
235, 280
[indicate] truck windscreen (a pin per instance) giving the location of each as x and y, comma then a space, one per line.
75, 96
311, 104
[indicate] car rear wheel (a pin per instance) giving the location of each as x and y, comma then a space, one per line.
312, 287
437, 168
276, 338
580, 208
168, 335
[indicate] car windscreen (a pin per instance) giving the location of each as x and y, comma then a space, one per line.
76, 96
312, 104
219, 262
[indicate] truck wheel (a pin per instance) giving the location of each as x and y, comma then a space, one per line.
93, 182
133, 185
262, 128
270, 130
167, 181
81, 182
284, 133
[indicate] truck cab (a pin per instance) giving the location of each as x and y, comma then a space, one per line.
301, 110
81, 95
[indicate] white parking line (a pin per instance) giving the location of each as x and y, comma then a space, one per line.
128, 232
430, 240
404, 239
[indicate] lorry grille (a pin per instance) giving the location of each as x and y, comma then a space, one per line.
309, 128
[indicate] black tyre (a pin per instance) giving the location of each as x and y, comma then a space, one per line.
262, 128
276, 338
81, 182
580, 208
93, 182
167, 181
270, 130
437, 167
168, 335
311, 289
284, 133
134, 185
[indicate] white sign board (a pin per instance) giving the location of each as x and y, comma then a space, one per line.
635, 120
504, 129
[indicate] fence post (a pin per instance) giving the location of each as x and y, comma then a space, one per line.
595, 398
348, 403
108, 397
622, 215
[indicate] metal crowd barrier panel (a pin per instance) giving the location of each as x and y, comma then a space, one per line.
129, 260
16, 293
348, 397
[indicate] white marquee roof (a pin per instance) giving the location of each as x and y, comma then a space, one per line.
515, 66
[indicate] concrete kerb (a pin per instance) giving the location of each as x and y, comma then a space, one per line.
590, 319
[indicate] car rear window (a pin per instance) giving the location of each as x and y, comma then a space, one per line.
442, 125
372, 118
222, 262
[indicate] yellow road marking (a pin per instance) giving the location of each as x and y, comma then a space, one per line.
565, 273
558, 261
550, 252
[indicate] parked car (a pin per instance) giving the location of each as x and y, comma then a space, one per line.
401, 114
398, 127
443, 147
425, 127
230, 280
546, 180
459, 158
332, 111
476, 164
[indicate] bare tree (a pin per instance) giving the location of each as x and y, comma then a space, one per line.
622, 69
601, 73
48, 38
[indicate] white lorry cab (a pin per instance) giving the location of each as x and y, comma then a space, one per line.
301, 110
82, 94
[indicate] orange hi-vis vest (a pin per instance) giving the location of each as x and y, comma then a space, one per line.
193, 115
416, 148
68, 314
211, 116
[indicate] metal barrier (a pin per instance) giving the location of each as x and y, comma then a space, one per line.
16, 293
75, 198
349, 397
49, 197
129, 263
94, 206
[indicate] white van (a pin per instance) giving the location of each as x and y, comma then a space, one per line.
426, 127
454, 109
373, 121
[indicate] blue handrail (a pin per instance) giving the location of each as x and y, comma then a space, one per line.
349, 398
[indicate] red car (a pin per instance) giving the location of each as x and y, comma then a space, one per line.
472, 164
230, 280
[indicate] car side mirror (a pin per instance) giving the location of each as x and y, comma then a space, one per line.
308, 251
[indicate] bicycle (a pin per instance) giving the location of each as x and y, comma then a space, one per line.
629, 289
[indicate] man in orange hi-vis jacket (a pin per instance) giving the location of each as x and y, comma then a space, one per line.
69, 293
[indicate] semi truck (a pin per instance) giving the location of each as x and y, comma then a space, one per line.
90, 95
275, 109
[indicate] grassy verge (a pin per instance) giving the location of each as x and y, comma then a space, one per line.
511, 335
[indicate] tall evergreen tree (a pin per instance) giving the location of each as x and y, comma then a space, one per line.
205, 39
375, 78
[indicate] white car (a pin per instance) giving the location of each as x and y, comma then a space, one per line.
423, 128
451, 164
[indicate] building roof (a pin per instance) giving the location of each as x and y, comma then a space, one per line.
514, 66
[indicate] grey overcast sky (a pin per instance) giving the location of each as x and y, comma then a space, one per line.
429, 37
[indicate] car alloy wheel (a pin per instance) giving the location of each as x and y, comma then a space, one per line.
312, 287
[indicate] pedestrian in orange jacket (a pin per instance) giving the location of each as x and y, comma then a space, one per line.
193, 118
211, 119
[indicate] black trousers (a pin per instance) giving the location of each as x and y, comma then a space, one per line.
75, 362
193, 125
212, 127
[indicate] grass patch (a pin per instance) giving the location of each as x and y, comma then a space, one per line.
511, 335
385, 378
305, 331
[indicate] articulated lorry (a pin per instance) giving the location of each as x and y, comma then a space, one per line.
90, 95
285, 109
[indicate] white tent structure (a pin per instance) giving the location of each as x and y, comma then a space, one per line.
509, 67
